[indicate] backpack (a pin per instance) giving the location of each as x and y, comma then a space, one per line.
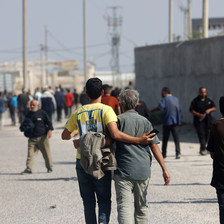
27, 127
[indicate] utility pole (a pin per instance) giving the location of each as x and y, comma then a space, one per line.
114, 22
46, 53
185, 11
43, 78
205, 19
24, 47
189, 20
170, 21
84, 41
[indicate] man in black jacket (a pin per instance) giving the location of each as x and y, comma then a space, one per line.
39, 139
202, 107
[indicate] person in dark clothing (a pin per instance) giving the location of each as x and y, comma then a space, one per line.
142, 109
39, 139
216, 149
22, 100
60, 102
48, 103
202, 107
76, 99
12, 105
83, 98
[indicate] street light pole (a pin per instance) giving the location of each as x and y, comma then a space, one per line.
84, 41
189, 20
205, 19
170, 21
24, 47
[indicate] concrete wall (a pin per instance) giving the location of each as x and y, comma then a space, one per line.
183, 67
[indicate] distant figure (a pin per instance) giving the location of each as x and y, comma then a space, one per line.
2, 109
130, 85
12, 104
51, 90
172, 109
142, 109
69, 98
201, 107
115, 92
83, 98
60, 101
109, 100
76, 99
48, 103
38, 128
37, 94
22, 100
216, 149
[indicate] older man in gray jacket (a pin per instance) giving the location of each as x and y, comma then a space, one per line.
133, 163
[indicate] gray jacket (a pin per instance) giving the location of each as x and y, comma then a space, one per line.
94, 157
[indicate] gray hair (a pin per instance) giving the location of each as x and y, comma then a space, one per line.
129, 99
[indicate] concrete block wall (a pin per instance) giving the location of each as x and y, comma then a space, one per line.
183, 67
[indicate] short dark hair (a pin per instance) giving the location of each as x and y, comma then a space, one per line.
94, 88
221, 104
166, 89
107, 88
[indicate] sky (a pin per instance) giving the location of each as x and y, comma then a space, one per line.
144, 22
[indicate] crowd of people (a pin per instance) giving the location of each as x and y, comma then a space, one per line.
114, 121
53, 102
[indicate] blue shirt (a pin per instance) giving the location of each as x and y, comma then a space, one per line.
2, 105
172, 108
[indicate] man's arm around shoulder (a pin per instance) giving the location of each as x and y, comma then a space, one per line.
117, 135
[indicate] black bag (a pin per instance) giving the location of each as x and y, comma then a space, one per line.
27, 127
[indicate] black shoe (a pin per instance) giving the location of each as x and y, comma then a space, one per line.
49, 170
178, 156
26, 172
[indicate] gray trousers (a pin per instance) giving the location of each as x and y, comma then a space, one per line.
40, 143
131, 200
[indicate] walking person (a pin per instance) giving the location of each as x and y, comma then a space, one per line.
48, 103
110, 100
23, 101
96, 117
202, 107
38, 128
216, 149
12, 104
76, 99
69, 99
2, 109
134, 163
172, 111
60, 102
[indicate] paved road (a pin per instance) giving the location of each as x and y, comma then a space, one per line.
53, 198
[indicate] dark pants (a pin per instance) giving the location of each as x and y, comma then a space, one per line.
202, 129
220, 196
68, 111
12, 111
49, 114
22, 115
90, 189
59, 113
166, 134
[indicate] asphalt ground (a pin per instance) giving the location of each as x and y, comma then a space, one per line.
53, 198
